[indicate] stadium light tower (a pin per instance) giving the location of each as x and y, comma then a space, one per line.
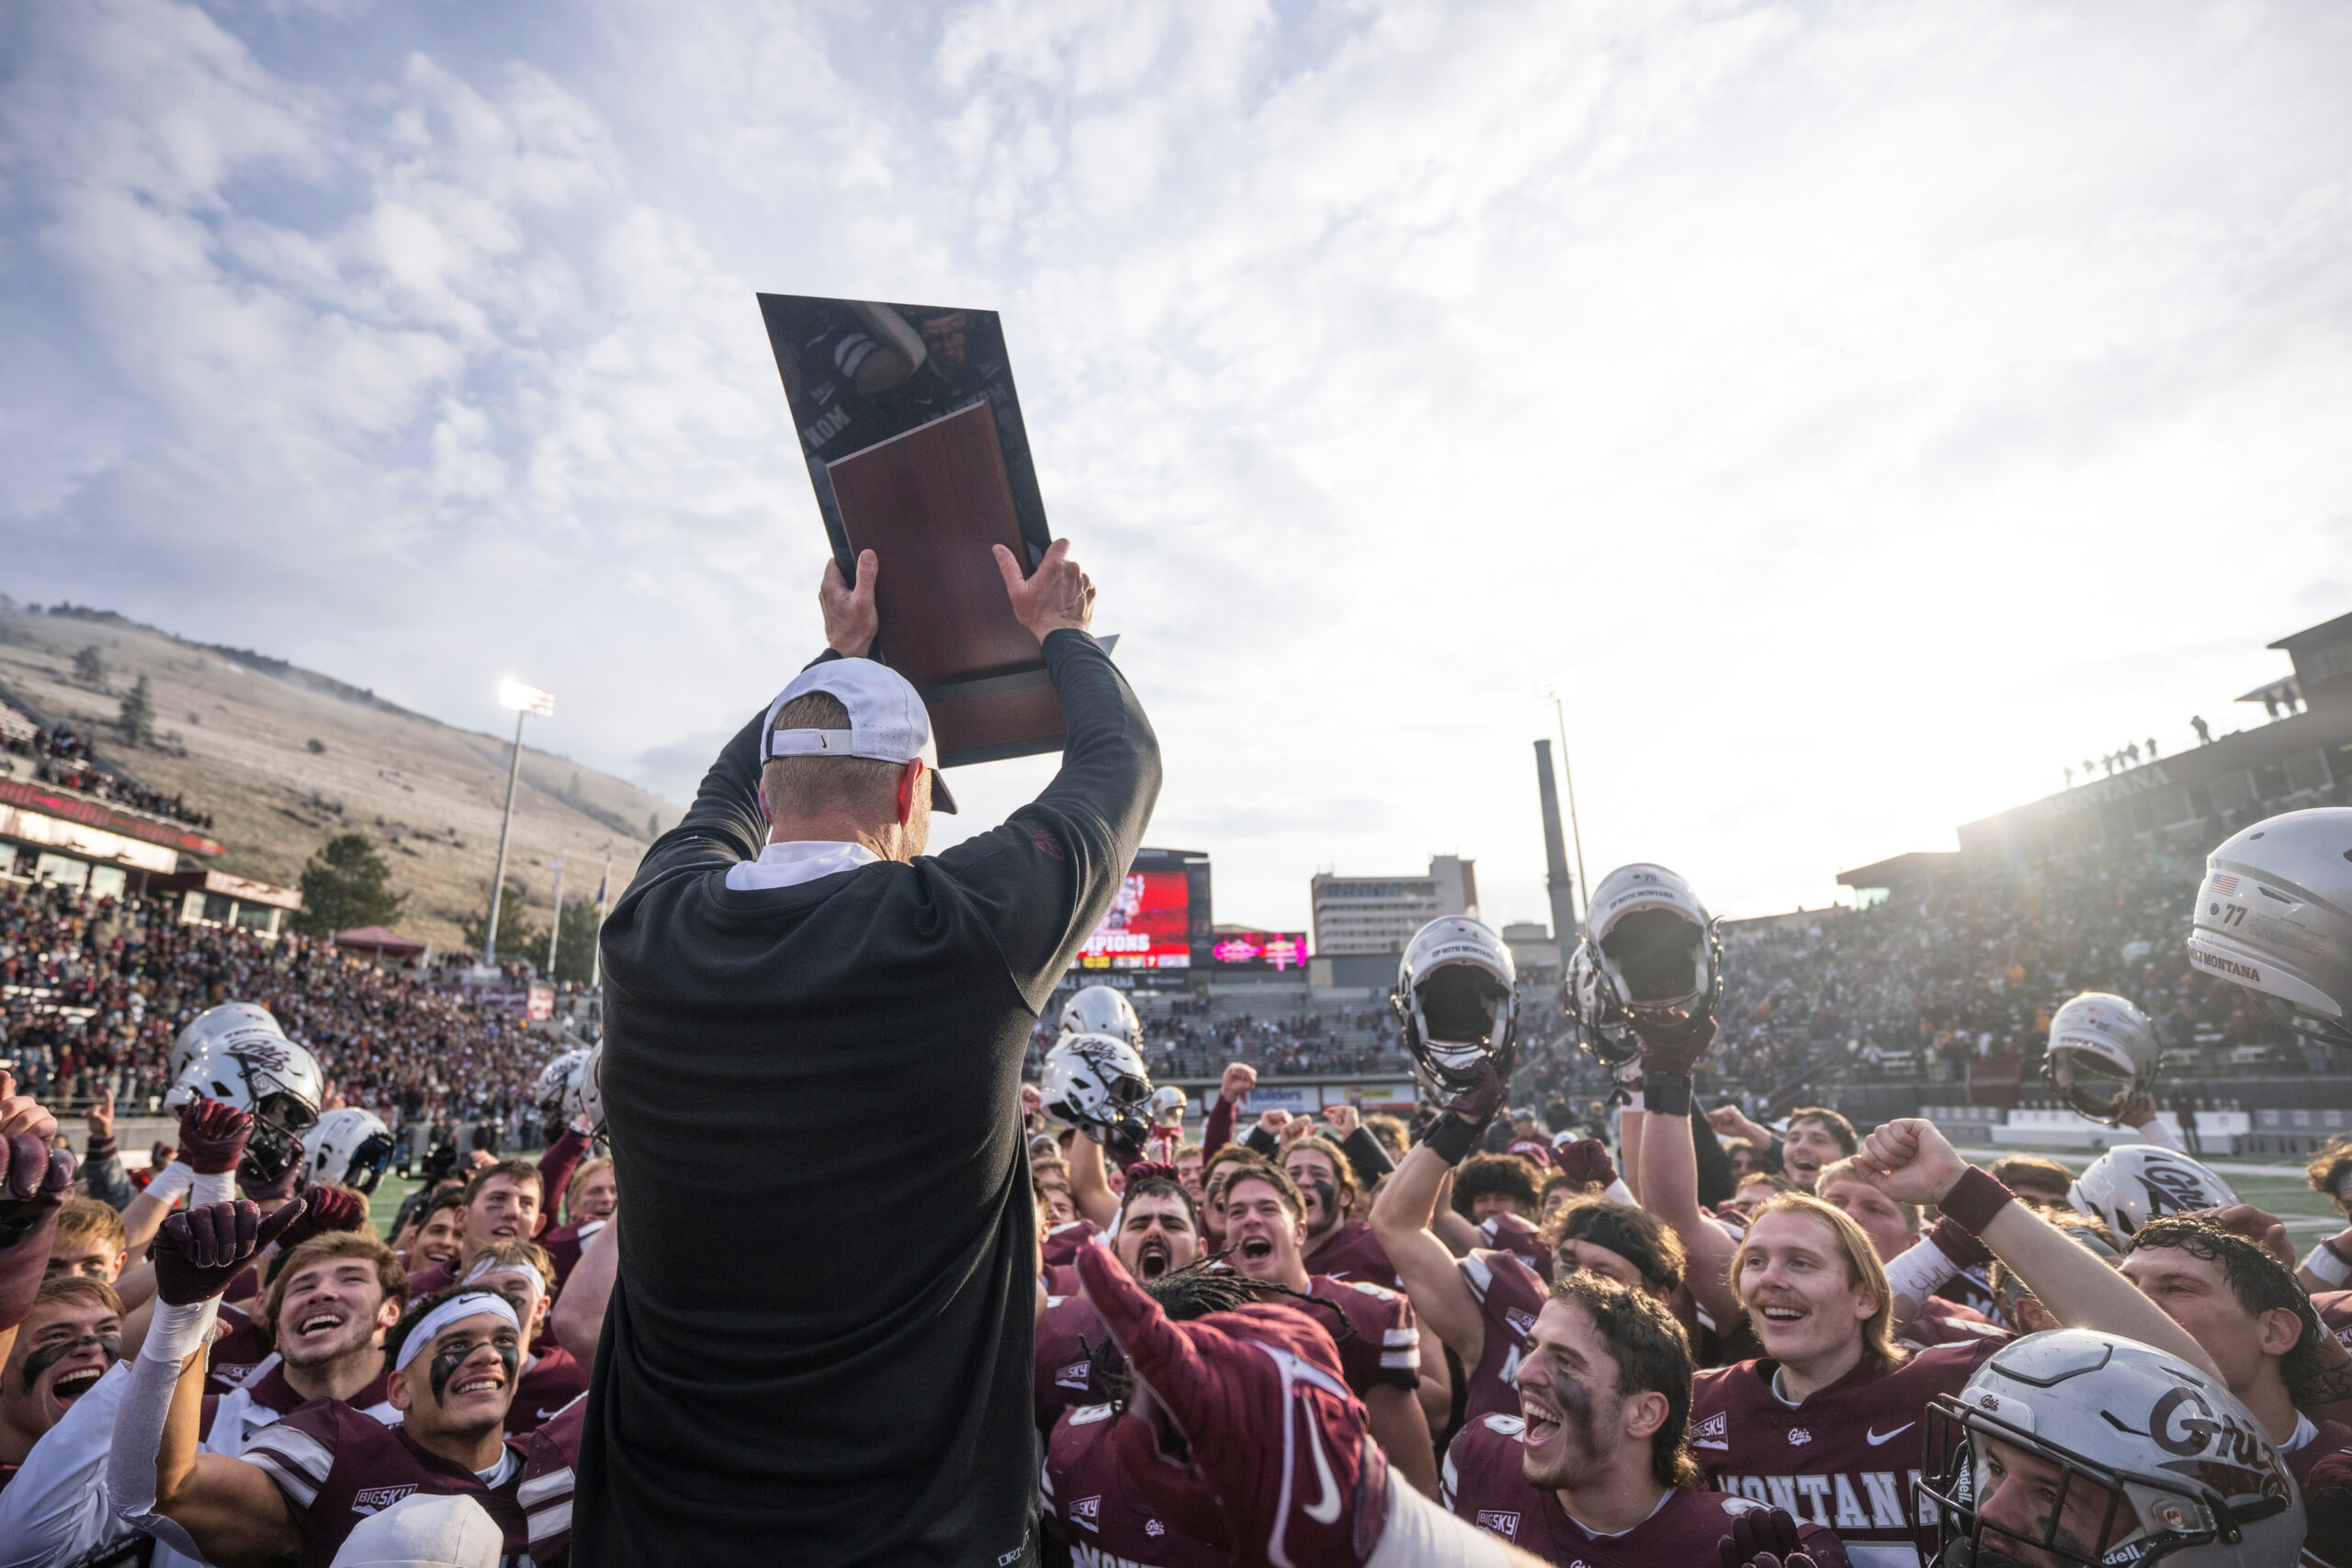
525, 701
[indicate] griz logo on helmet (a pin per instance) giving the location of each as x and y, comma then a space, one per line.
2172, 1191
2182, 1423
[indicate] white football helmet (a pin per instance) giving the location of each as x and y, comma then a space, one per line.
556, 1094
350, 1146
1166, 1106
587, 1098
2274, 914
1103, 1010
1654, 950
208, 1026
1098, 1084
262, 1072
2133, 1183
2153, 1461
2102, 1052
1611, 1044
1457, 994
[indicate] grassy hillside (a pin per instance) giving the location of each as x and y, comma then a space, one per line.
286, 758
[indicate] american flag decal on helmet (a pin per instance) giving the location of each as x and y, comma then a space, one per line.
2224, 885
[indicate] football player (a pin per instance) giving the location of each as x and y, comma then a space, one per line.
551, 1377
1227, 1418
2077, 1448
1894, 1228
304, 1481
1158, 1232
440, 1231
503, 1201
90, 1241
1265, 1228
1338, 1245
1482, 1305
2253, 1323
68, 1342
1596, 1467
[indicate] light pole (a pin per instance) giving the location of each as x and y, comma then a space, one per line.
555, 925
523, 701
1567, 775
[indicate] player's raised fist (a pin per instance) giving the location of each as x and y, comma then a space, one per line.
198, 1254
1910, 1161
212, 1135
1587, 1162
1239, 1078
1764, 1537
325, 1208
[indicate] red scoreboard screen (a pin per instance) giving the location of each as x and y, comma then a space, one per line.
1259, 949
1149, 925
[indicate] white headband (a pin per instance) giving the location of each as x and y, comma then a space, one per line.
486, 1266
473, 1303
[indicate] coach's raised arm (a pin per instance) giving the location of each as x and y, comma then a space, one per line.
819, 1349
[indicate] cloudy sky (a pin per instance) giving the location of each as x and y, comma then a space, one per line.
1859, 411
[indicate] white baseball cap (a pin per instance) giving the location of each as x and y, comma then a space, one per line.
422, 1531
887, 722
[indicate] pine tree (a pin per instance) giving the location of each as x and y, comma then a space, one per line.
138, 720
346, 884
90, 666
575, 941
519, 936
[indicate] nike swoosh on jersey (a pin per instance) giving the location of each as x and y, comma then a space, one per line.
1324, 1511
1877, 1437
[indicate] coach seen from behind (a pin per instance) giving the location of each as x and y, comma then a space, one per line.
803, 1005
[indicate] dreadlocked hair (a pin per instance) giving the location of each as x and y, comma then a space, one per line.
1195, 1291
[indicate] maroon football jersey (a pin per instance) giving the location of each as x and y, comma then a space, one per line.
564, 1244
1068, 1333
1511, 1234
1848, 1458
553, 1451
1387, 1345
1350, 1252
1942, 1322
237, 1357
2328, 1440
1509, 1295
336, 1466
1093, 1512
2335, 1309
1483, 1482
1062, 1241
423, 1283
554, 1380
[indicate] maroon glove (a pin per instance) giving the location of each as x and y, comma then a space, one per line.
1660, 1055
289, 1182
1587, 1162
1241, 1430
325, 1208
34, 1181
1763, 1538
1464, 1121
212, 1136
198, 1254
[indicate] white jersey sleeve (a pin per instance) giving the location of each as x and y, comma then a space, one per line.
55, 1509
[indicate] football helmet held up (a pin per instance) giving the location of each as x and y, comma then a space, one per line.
556, 1094
586, 1103
1166, 1106
1103, 1010
263, 1072
1654, 953
350, 1146
210, 1025
1458, 995
2133, 1183
1098, 1084
2102, 1052
2274, 914
2150, 1460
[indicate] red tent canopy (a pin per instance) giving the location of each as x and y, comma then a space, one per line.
376, 939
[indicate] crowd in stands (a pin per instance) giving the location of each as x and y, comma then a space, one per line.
92, 991
63, 758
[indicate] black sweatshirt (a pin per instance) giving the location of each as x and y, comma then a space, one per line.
819, 1349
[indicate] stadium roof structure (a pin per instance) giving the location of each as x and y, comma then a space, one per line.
1900, 871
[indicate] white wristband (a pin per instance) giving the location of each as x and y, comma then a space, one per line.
168, 1184
221, 1189
2325, 1265
179, 1331
1920, 1271
1618, 1192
